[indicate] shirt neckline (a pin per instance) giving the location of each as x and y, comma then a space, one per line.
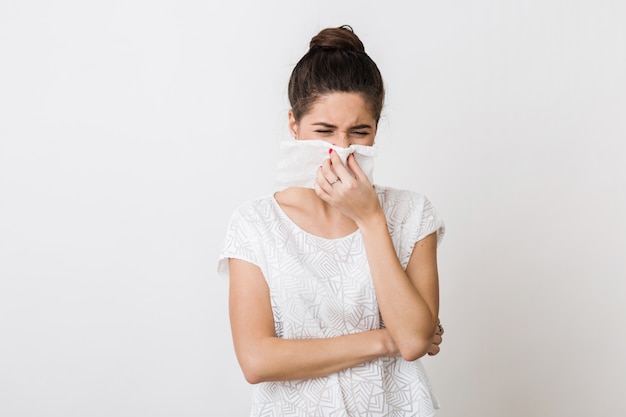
294, 225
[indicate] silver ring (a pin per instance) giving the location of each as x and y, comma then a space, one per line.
336, 181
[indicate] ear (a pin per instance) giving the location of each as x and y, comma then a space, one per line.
293, 125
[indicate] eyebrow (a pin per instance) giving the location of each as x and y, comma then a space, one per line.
328, 125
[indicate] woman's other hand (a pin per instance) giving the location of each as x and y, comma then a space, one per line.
437, 339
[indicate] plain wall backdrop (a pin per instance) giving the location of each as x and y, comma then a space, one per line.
130, 130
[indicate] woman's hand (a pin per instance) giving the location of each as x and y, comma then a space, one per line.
350, 193
437, 339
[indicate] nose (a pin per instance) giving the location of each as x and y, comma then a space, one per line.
345, 141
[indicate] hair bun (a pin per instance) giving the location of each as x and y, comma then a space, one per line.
342, 37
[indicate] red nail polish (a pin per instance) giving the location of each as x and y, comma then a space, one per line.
330, 150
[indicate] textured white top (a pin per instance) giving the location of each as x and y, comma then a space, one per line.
323, 288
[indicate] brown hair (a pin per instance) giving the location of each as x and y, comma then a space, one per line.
336, 62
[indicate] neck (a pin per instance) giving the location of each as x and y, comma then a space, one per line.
312, 214
300, 197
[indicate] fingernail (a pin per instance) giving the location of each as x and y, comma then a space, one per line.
330, 150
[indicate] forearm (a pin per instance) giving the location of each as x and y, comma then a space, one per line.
276, 359
410, 316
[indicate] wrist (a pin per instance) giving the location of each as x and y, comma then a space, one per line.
375, 221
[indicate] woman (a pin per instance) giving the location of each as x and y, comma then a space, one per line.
316, 267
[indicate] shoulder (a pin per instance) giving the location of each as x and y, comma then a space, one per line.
254, 213
245, 231
410, 210
254, 207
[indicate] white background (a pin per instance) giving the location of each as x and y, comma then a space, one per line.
130, 130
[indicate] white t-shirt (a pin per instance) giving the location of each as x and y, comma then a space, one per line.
323, 288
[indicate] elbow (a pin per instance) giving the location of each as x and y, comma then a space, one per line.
413, 354
251, 377
258, 360
418, 344
414, 349
252, 369
251, 373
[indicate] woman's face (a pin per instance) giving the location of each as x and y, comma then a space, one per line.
341, 119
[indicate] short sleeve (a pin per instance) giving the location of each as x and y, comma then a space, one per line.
430, 222
241, 242
421, 220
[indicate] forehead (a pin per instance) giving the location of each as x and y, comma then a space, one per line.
340, 108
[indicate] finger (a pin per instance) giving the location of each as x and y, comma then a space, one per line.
321, 190
329, 171
322, 182
339, 168
434, 349
356, 168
